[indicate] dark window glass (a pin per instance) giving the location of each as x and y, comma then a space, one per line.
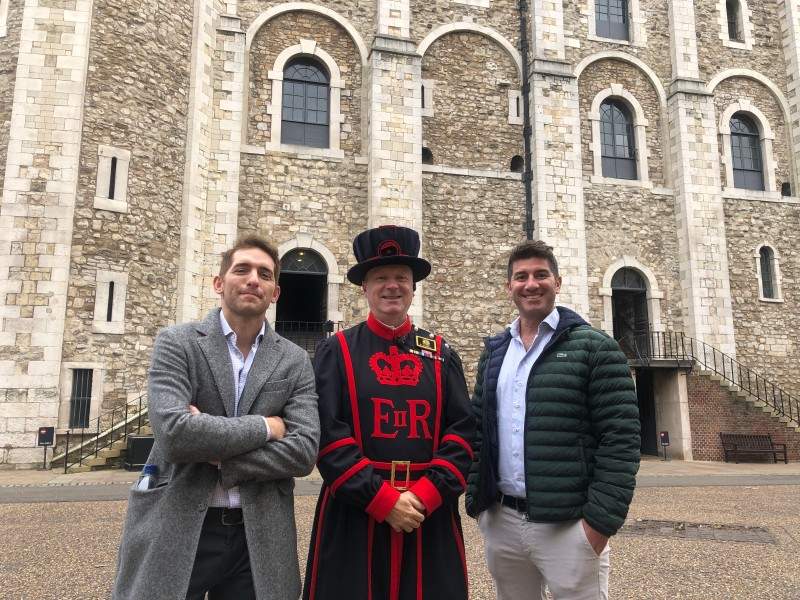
81, 398
618, 148
786, 189
305, 109
303, 260
732, 9
427, 156
517, 164
110, 305
611, 19
628, 279
748, 169
112, 183
767, 272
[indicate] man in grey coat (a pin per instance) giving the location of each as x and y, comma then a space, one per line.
234, 415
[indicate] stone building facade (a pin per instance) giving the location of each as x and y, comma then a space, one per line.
138, 141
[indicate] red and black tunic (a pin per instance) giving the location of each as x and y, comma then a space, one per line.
387, 396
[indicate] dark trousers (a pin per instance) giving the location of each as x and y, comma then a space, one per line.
222, 564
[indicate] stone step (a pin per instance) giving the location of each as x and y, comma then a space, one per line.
84, 468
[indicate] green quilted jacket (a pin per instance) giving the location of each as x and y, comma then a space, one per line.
581, 429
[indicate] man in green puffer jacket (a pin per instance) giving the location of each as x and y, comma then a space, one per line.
558, 442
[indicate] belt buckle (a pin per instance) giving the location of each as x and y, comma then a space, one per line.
406, 464
237, 520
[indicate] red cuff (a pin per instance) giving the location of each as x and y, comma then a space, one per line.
427, 493
383, 502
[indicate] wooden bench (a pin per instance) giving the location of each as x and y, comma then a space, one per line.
735, 444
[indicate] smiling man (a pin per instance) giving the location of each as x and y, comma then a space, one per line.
234, 415
557, 448
395, 447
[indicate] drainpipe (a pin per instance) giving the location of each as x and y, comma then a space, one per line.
527, 177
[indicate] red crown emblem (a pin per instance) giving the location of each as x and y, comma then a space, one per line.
396, 368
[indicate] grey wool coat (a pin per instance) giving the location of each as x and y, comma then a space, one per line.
191, 365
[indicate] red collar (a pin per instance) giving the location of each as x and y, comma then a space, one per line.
384, 331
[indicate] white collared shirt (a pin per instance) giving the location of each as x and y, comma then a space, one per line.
241, 369
512, 386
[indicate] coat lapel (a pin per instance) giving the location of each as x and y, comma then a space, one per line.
264, 363
215, 349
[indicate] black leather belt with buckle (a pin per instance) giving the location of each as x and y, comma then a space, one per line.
225, 516
518, 504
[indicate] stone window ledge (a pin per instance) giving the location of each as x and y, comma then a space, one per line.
120, 206
636, 183
307, 152
476, 3
490, 173
597, 38
771, 300
737, 45
740, 194
112, 327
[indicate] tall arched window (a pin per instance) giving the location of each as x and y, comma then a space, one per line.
305, 110
611, 19
748, 167
767, 258
733, 10
618, 147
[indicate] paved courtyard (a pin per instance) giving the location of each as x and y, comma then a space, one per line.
731, 540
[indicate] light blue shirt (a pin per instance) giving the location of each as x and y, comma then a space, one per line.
241, 369
511, 388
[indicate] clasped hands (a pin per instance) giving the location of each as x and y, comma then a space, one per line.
276, 426
407, 514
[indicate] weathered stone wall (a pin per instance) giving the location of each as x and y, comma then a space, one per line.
469, 127
470, 224
287, 30
360, 14
736, 88
656, 52
136, 99
620, 224
282, 196
500, 15
767, 333
9, 52
599, 76
766, 56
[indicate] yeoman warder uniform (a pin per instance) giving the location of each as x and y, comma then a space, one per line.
394, 411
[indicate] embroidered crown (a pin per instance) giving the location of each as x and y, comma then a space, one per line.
396, 368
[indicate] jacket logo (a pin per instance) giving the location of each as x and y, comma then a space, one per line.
395, 368
561, 355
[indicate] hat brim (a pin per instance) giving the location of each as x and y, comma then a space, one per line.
420, 268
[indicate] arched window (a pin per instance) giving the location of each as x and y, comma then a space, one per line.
611, 19
517, 164
618, 147
733, 10
748, 167
767, 261
305, 106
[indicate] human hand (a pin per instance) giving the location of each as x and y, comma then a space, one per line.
277, 428
596, 539
405, 515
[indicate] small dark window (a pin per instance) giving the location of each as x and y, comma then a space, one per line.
767, 257
517, 164
618, 147
786, 189
611, 19
517, 106
732, 8
112, 180
427, 156
80, 398
110, 305
304, 120
748, 169
423, 95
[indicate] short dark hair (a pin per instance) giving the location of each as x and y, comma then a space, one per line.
532, 249
251, 241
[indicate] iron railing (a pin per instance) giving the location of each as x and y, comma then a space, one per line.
306, 334
110, 426
677, 346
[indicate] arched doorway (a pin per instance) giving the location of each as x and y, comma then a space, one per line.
629, 311
302, 307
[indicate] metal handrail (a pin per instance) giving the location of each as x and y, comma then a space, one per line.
110, 426
676, 345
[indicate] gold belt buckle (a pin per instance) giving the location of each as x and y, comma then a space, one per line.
403, 464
